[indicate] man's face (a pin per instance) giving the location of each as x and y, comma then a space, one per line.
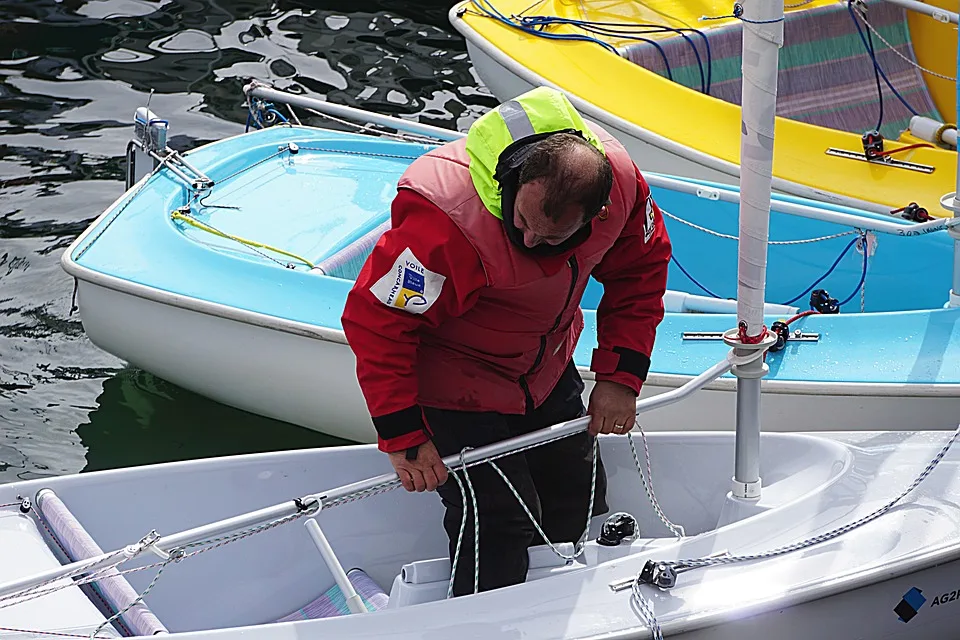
533, 223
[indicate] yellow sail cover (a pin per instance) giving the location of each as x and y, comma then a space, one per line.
711, 126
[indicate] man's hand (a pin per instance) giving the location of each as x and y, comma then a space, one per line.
613, 408
425, 472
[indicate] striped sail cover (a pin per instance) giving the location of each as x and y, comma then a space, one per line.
333, 603
113, 590
826, 74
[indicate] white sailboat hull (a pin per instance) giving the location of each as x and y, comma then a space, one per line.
307, 376
844, 588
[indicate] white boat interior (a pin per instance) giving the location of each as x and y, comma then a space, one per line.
811, 484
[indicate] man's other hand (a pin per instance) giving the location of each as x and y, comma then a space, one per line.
613, 408
425, 472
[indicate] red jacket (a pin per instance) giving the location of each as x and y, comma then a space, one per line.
447, 313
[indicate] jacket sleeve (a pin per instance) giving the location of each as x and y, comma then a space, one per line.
634, 278
421, 271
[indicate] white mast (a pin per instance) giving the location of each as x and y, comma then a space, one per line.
762, 37
951, 201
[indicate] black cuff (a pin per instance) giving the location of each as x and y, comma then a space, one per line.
633, 362
400, 423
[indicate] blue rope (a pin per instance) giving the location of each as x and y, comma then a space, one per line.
254, 117
663, 55
278, 114
876, 64
625, 31
536, 25
824, 276
606, 28
738, 14
692, 279
863, 275
706, 41
494, 13
876, 76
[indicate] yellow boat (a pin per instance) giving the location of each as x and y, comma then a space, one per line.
664, 77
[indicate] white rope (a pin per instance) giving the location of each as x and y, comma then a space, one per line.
476, 524
37, 590
463, 527
371, 154
121, 209
139, 598
279, 152
32, 593
864, 244
645, 608
580, 546
366, 128
683, 565
777, 242
863, 295
905, 58
646, 613
676, 529
293, 114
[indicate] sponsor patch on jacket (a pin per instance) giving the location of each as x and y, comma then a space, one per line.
649, 220
408, 285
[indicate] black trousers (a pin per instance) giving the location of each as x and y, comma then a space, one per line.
554, 481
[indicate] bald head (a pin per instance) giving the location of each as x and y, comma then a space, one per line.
562, 185
575, 176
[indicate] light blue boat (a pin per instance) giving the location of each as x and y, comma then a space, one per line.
236, 291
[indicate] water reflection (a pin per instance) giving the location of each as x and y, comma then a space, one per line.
142, 419
359, 53
72, 74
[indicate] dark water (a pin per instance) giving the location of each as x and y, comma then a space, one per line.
72, 74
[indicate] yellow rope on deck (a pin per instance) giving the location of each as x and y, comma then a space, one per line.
177, 215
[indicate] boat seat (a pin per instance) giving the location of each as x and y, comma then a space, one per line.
69, 541
24, 551
826, 73
683, 302
347, 262
427, 580
332, 602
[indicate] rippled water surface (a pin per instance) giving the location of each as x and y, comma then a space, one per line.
71, 75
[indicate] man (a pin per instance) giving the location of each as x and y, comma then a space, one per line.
465, 317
